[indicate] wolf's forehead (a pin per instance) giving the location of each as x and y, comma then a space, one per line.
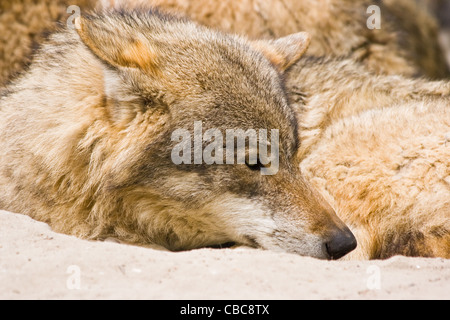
262, 119
246, 90
251, 95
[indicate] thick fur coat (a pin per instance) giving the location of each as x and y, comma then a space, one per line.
338, 28
378, 148
24, 24
89, 151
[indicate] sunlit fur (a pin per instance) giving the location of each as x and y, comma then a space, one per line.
85, 141
403, 45
378, 147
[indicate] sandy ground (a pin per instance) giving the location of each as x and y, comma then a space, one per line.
36, 263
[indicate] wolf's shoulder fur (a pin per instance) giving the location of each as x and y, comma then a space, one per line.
377, 147
387, 173
344, 88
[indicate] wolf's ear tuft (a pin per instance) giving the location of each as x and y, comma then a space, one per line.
284, 52
116, 44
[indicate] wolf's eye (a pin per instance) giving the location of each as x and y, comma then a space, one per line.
254, 167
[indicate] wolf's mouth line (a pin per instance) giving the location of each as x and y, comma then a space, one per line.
249, 241
226, 245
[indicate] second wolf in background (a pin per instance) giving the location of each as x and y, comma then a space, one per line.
404, 45
378, 147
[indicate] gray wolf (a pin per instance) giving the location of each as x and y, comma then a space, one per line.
85, 141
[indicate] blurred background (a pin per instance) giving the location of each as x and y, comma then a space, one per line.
408, 43
441, 9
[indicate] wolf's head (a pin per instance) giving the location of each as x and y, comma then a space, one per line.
162, 74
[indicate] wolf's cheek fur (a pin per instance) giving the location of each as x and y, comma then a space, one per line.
251, 222
222, 219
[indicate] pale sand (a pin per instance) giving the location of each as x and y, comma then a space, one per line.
37, 263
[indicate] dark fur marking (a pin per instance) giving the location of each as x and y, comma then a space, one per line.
226, 245
410, 243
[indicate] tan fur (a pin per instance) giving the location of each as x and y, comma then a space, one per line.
23, 25
389, 213
285, 52
89, 151
138, 53
338, 27
378, 148
342, 88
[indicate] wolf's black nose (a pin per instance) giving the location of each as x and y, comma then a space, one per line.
340, 244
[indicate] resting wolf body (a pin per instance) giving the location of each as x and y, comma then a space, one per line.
86, 133
378, 148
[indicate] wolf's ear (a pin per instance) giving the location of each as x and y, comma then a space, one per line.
116, 45
284, 52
